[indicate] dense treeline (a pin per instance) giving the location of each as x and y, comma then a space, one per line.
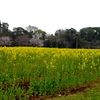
88, 37
69, 38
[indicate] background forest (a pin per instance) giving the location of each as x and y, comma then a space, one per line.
88, 37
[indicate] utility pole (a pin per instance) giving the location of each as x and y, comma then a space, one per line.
76, 43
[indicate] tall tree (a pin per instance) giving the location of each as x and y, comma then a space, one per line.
4, 29
39, 34
31, 29
17, 31
36, 42
50, 41
21, 40
5, 41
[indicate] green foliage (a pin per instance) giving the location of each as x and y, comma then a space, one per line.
13, 93
40, 33
42, 71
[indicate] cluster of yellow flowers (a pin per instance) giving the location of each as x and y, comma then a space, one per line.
49, 67
50, 56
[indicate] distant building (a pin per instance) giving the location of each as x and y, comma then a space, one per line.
37, 36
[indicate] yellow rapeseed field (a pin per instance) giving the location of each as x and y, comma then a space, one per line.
42, 71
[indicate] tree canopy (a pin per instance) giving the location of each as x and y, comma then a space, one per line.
88, 37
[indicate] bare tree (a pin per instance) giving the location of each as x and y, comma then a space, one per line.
36, 42
31, 29
5, 41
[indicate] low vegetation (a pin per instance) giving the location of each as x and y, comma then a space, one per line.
90, 93
28, 72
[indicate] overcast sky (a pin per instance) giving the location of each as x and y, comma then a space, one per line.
50, 15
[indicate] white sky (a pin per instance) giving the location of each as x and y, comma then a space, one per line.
50, 15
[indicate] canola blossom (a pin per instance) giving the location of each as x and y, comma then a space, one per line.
26, 71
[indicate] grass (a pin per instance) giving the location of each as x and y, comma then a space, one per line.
91, 93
